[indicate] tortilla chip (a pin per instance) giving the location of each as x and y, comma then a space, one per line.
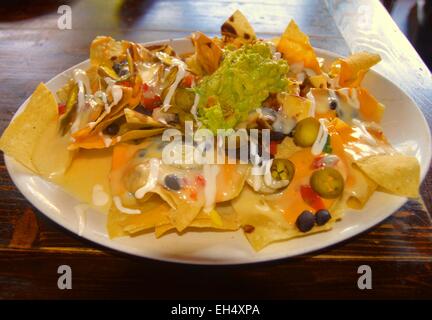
103, 48
358, 189
396, 174
294, 106
296, 48
22, 134
238, 27
142, 120
208, 54
286, 148
154, 211
352, 70
227, 215
370, 108
264, 225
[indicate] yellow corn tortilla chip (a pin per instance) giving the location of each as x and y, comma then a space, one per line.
22, 134
396, 174
144, 121
103, 48
264, 225
352, 70
154, 212
207, 53
294, 106
286, 148
295, 47
360, 190
227, 215
238, 27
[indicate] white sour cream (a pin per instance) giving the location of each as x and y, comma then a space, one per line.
311, 97
99, 196
194, 108
81, 79
121, 208
151, 180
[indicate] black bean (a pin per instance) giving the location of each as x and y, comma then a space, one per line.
172, 182
333, 104
112, 129
305, 221
123, 72
322, 216
277, 135
142, 153
117, 67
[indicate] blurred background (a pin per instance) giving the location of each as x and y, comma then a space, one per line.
414, 18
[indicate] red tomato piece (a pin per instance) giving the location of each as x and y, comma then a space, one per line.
61, 108
311, 197
273, 147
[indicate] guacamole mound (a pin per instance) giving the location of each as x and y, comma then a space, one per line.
243, 81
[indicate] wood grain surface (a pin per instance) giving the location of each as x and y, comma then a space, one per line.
33, 49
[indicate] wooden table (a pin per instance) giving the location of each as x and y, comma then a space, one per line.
33, 49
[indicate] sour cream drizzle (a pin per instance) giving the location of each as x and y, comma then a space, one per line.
116, 92
181, 72
80, 77
321, 139
194, 108
121, 208
151, 180
210, 173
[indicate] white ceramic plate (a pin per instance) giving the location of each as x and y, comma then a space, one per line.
403, 124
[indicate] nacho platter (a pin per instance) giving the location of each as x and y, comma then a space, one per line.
199, 238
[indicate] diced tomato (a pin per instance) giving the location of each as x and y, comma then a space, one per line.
193, 194
145, 87
311, 197
61, 108
151, 103
188, 81
273, 147
318, 162
200, 180
149, 99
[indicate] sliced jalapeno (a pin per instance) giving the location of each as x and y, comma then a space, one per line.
306, 132
282, 169
327, 182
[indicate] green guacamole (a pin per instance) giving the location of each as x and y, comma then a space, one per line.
243, 81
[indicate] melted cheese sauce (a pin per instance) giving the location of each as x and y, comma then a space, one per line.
88, 169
